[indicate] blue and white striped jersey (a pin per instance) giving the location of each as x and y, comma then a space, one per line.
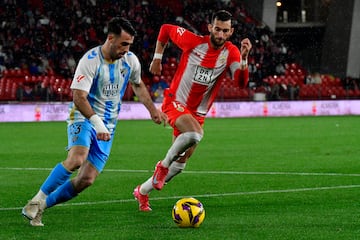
105, 83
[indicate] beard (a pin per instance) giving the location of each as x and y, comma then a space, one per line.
217, 42
114, 55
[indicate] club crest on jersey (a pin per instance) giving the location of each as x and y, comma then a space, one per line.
180, 109
124, 72
222, 59
178, 106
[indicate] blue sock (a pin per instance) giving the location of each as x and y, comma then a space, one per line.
57, 177
62, 194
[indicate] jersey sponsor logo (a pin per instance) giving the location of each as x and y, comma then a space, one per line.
80, 77
203, 75
92, 55
180, 31
111, 90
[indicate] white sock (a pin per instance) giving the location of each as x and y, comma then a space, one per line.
180, 145
40, 196
146, 187
174, 169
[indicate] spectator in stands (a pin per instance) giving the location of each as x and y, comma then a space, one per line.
25, 92
34, 68
280, 68
275, 92
20, 92
314, 78
350, 84
255, 72
59, 27
100, 77
204, 62
159, 94
293, 91
53, 29
3, 57
158, 87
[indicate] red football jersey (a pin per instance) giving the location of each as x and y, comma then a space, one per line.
201, 67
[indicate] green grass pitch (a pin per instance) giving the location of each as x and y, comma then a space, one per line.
258, 178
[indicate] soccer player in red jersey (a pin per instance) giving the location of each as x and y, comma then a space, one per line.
204, 62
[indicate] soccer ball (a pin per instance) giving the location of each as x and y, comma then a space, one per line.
188, 212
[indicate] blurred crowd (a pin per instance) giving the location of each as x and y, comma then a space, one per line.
49, 37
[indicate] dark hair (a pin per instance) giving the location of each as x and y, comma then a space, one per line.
118, 24
221, 15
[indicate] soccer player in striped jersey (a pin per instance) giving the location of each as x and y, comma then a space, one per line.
205, 60
98, 86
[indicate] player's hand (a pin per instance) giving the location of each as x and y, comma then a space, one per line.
155, 66
159, 117
245, 48
102, 133
103, 136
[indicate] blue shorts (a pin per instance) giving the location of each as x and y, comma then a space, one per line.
83, 134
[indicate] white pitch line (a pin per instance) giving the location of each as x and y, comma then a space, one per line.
275, 173
204, 196
204, 172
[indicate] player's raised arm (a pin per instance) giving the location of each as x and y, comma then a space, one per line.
242, 75
245, 50
181, 37
155, 65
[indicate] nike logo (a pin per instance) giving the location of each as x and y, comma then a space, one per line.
92, 55
155, 181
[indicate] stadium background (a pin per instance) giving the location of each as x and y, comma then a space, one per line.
286, 178
303, 49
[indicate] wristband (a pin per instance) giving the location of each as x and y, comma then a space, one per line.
158, 56
98, 124
244, 62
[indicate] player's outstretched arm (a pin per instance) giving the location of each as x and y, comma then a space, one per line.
143, 94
